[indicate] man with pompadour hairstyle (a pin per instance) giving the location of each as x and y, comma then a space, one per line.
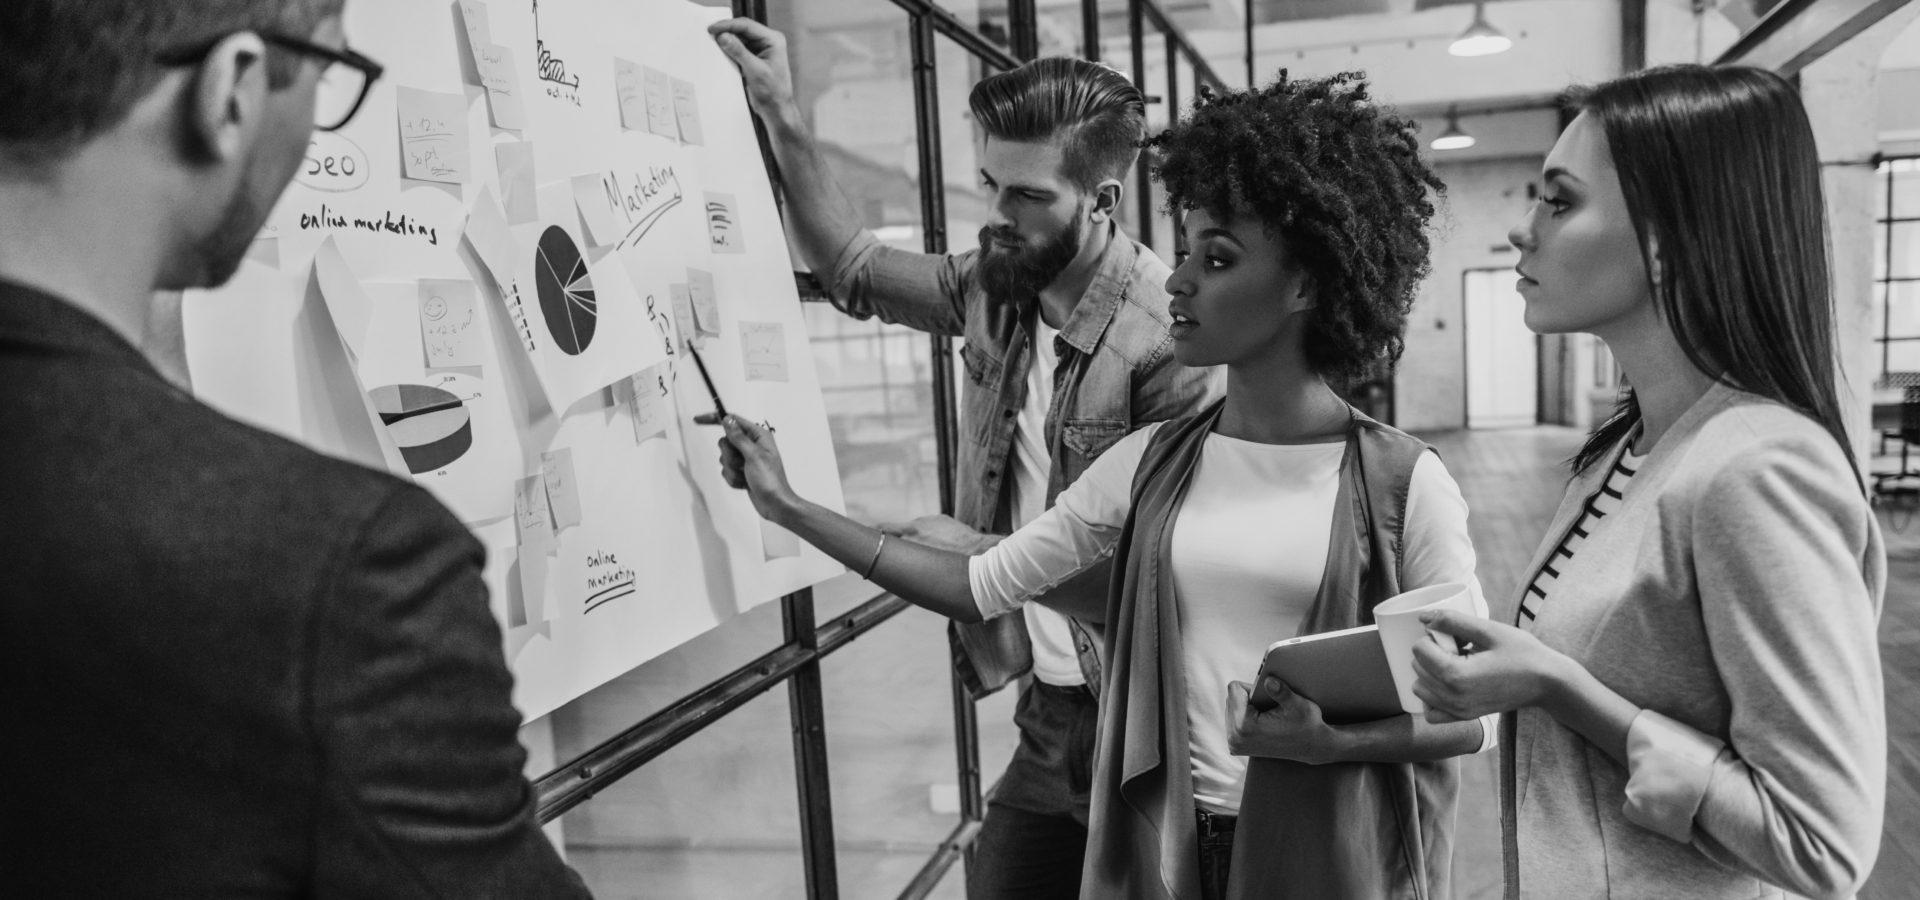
1067, 350
234, 667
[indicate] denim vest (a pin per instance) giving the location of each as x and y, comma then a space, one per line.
1116, 373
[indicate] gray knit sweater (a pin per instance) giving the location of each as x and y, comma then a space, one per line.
1733, 596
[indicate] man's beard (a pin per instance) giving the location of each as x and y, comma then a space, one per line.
1012, 271
213, 259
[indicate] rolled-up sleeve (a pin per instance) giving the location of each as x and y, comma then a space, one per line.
1790, 570
924, 291
1079, 531
1669, 766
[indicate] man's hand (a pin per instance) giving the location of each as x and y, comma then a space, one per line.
761, 55
944, 532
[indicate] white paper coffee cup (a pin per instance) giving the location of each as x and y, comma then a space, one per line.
1399, 621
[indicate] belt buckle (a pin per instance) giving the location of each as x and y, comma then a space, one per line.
1212, 823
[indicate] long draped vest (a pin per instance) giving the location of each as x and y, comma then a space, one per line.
1341, 830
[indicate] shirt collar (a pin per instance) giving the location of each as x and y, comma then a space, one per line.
1109, 286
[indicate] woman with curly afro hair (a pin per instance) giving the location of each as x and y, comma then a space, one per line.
1279, 511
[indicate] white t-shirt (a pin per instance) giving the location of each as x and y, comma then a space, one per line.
1249, 549
1054, 659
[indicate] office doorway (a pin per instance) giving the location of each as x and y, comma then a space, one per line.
1503, 357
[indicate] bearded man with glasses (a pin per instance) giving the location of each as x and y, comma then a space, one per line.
234, 667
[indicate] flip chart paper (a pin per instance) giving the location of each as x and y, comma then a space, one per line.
345, 298
449, 323
517, 193
491, 239
433, 135
590, 199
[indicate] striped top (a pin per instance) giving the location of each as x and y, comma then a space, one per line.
1598, 507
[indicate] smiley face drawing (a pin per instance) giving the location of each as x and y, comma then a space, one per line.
435, 309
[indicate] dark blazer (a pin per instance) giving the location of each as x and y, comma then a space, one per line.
233, 667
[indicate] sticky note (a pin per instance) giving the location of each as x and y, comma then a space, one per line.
652, 402
683, 323
705, 303
659, 95
763, 350
563, 493
723, 224
533, 519
502, 81
433, 135
491, 239
629, 85
517, 193
473, 13
590, 197
449, 326
686, 111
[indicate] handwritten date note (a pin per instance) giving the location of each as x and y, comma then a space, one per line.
433, 135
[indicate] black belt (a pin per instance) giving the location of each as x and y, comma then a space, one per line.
1212, 823
1065, 690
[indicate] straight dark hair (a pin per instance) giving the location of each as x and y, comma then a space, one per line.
72, 69
1720, 171
1098, 112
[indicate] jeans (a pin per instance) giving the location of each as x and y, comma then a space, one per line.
1216, 853
1034, 837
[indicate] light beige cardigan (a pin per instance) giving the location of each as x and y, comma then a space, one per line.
1736, 590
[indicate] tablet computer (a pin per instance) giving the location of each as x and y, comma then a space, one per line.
1343, 671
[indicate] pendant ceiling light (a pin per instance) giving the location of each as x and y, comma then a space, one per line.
1480, 39
1453, 138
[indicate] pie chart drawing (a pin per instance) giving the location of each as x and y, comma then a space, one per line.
566, 291
432, 427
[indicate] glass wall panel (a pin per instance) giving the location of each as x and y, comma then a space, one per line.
853, 80
890, 741
715, 817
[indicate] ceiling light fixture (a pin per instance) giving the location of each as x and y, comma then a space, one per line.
1480, 39
1453, 138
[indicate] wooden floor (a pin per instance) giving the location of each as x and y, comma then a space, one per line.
1512, 481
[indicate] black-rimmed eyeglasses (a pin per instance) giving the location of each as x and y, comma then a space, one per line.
346, 76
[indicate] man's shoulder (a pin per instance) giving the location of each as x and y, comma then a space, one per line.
1140, 329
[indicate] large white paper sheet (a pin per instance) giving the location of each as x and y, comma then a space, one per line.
656, 548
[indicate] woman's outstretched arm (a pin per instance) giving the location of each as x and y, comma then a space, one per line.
925, 576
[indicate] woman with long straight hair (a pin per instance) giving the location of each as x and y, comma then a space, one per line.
1692, 673
1278, 511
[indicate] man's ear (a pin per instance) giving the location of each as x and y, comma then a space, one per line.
1106, 200
228, 98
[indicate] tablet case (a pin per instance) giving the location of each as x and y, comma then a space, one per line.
1343, 671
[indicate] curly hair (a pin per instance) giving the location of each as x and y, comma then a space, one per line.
1335, 177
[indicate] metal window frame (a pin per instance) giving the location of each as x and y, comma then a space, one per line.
806, 641
1886, 280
